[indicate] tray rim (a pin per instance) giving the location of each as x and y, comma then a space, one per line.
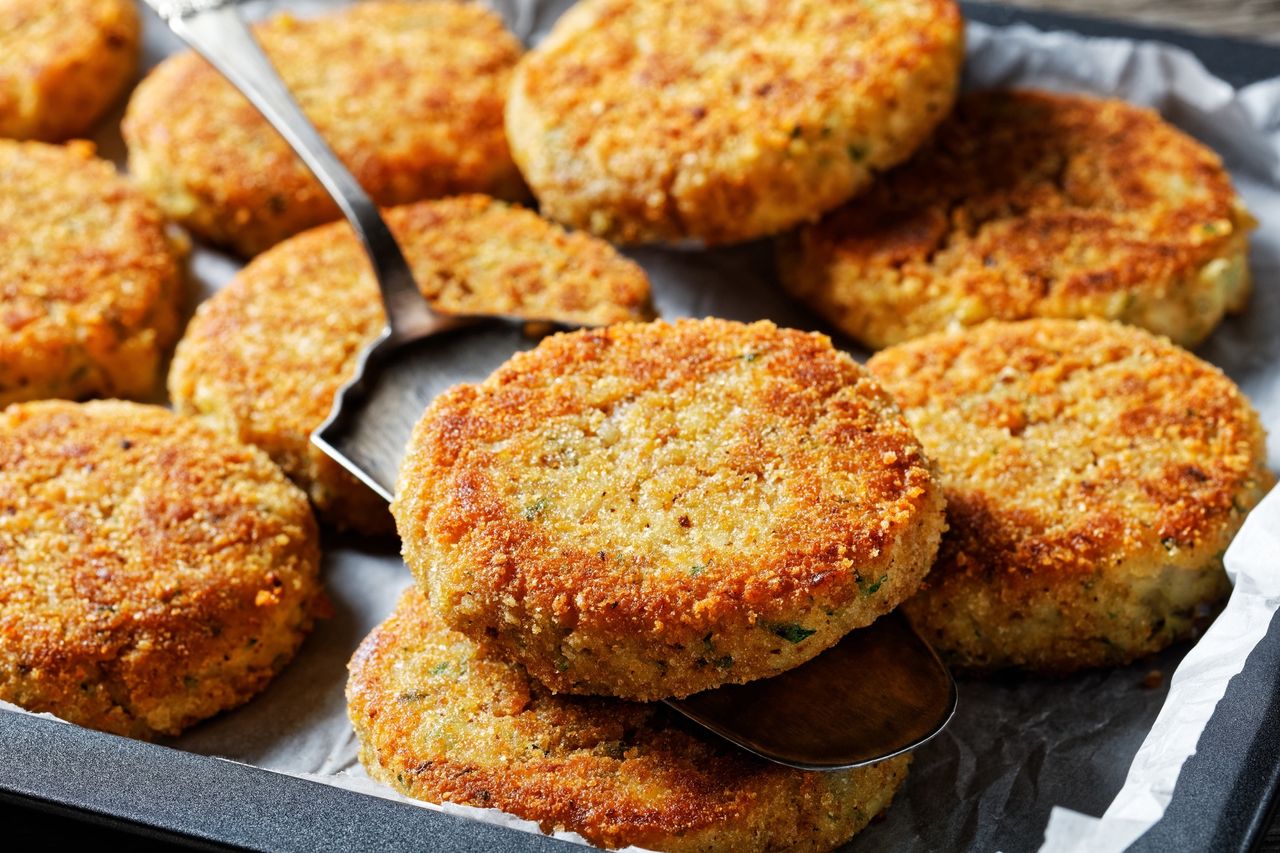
180, 797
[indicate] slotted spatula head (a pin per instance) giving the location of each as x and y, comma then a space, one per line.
373, 415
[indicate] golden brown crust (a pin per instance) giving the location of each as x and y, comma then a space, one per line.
652, 510
152, 572
1094, 475
90, 280
263, 358
63, 63
409, 95
726, 120
442, 721
1028, 204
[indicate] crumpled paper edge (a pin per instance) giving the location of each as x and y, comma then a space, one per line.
1201, 679
1197, 687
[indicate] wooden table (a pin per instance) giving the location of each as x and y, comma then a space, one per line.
1253, 19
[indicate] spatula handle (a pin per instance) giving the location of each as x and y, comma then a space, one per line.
215, 30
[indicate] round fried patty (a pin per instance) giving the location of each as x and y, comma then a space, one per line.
724, 120
264, 357
90, 280
440, 720
1094, 476
409, 95
1028, 204
651, 510
62, 64
152, 572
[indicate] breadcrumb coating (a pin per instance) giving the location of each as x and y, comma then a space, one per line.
91, 281
651, 510
1029, 204
63, 63
725, 120
152, 572
440, 720
1094, 475
264, 356
409, 95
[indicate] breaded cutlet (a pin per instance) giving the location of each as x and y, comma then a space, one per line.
152, 571
651, 510
63, 63
725, 120
1094, 475
409, 95
440, 720
91, 277
1030, 204
264, 356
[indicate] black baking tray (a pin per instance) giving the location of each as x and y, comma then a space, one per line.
62, 785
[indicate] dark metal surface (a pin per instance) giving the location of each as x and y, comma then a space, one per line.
1222, 802
877, 693
185, 798
1228, 790
375, 413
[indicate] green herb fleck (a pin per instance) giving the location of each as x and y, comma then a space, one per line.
440, 668
562, 664
792, 632
535, 509
694, 571
724, 662
750, 356
870, 587
412, 696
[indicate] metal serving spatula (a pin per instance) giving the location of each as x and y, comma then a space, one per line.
879, 692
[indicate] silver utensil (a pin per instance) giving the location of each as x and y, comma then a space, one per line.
879, 692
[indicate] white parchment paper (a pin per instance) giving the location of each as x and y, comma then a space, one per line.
1017, 750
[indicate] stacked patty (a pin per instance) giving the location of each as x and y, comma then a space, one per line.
152, 571
264, 357
640, 511
1028, 204
725, 120
409, 95
62, 64
440, 719
1094, 475
90, 277
651, 510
